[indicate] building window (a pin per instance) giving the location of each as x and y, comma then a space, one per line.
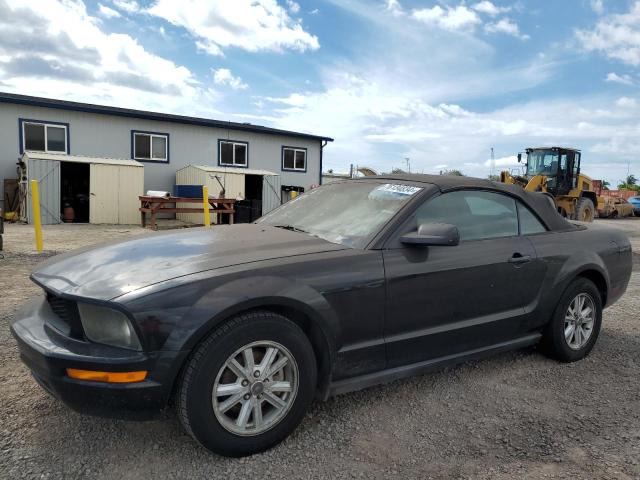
232, 153
150, 147
44, 137
294, 159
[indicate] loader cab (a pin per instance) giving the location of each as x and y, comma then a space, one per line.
561, 167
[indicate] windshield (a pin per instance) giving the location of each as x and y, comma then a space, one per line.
542, 162
347, 213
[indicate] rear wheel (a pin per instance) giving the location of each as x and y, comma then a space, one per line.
585, 210
576, 322
248, 385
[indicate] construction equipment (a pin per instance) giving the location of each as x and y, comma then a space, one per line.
556, 170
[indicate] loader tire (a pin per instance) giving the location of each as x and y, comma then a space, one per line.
585, 210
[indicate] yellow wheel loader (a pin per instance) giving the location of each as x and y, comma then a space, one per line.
556, 170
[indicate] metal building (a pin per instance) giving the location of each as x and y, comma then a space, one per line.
103, 190
163, 142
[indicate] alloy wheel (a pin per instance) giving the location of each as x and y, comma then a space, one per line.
255, 388
579, 320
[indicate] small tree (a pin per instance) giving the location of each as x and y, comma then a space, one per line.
631, 180
397, 171
452, 172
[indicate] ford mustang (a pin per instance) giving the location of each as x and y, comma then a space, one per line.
350, 285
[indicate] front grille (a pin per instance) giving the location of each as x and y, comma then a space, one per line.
66, 318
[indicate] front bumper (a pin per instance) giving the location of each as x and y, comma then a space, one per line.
48, 354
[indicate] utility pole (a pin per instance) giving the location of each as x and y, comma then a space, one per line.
408, 160
492, 165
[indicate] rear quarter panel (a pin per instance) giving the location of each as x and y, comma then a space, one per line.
568, 254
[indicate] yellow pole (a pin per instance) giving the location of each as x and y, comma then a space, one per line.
205, 204
37, 222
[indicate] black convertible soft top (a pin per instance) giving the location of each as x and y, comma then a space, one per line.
539, 202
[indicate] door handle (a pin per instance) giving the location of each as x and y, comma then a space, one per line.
518, 258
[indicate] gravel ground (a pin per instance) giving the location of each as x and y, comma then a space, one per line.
514, 415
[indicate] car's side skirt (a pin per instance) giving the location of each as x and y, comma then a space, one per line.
396, 373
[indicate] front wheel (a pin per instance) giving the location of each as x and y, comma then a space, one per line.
248, 385
576, 322
585, 210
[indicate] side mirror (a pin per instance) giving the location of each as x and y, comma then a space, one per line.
433, 234
519, 157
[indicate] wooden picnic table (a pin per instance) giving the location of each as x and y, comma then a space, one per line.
155, 205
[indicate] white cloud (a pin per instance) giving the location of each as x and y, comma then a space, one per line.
615, 36
107, 12
223, 76
597, 6
448, 18
506, 26
294, 7
624, 79
379, 124
626, 102
509, 161
395, 8
129, 6
462, 18
485, 6
252, 25
315, 11
41, 55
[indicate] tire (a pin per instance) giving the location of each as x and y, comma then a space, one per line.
554, 341
210, 365
585, 211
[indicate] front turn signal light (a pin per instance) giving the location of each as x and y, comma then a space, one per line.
107, 377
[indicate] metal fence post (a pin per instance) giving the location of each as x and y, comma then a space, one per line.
205, 204
37, 221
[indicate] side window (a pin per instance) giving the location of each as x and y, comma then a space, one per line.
529, 224
477, 214
43, 137
232, 153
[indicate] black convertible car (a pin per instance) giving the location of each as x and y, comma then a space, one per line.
350, 285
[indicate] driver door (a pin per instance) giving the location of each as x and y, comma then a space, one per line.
444, 300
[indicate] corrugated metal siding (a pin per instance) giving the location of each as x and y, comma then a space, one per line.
271, 192
47, 172
192, 175
114, 194
131, 186
103, 196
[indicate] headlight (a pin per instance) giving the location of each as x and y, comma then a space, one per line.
108, 326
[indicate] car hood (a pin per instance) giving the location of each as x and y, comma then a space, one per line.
111, 270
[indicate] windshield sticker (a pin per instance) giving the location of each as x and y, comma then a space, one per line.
398, 189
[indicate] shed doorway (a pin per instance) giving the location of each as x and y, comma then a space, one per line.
253, 196
74, 192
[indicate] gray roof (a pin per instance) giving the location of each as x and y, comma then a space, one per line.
142, 114
63, 157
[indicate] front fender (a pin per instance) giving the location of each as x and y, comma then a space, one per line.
177, 317
238, 295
